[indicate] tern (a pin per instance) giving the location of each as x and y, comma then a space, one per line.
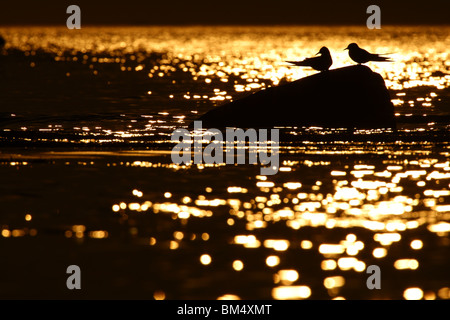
362, 56
321, 63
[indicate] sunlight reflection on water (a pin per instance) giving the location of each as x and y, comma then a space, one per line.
333, 209
193, 68
343, 215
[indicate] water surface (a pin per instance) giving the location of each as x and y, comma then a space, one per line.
87, 176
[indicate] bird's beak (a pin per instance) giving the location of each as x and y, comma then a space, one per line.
318, 53
346, 49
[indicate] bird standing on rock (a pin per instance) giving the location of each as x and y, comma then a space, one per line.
362, 56
321, 63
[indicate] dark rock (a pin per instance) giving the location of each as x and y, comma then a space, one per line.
349, 97
438, 74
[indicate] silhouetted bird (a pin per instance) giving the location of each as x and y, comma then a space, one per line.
2, 42
321, 63
362, 56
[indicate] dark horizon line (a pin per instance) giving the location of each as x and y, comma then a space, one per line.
227, 24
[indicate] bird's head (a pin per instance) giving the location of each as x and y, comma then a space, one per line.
323, 50
351, 46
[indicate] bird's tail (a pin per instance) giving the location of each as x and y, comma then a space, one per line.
298, 63
377, 57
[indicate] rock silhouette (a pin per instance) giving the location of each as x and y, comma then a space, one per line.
348, 97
